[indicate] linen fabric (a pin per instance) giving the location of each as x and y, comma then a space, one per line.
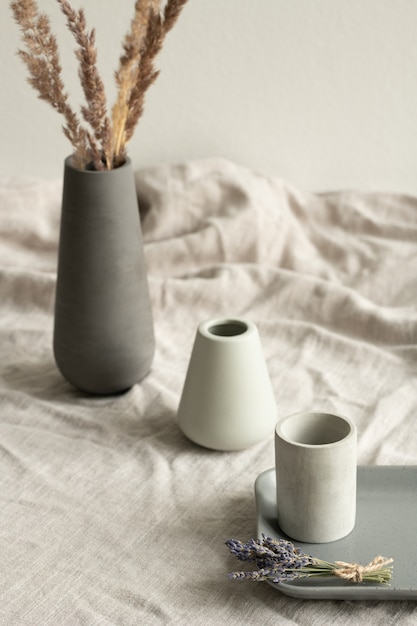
109, 515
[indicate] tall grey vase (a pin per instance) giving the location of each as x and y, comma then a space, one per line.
103, 331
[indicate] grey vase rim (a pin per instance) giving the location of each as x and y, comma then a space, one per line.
70, 165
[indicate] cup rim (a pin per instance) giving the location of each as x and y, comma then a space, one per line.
352, 432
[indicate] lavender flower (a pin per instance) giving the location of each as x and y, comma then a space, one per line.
279, 560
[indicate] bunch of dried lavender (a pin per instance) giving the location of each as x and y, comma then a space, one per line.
102, 143
279, 561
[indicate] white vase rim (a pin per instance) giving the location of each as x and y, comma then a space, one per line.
227, 328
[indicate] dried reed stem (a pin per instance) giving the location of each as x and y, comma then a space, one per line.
95, 113
158, 26
42, 61
127, 73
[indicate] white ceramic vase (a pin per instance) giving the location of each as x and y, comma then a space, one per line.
315, 458
227, 402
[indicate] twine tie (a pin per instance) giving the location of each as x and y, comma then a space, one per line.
355, 571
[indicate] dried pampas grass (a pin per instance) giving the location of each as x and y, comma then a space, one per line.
99, 140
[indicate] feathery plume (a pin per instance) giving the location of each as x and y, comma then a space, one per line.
95, 113
127, 73
43, 64
158, 26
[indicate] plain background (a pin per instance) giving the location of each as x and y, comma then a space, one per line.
320, 93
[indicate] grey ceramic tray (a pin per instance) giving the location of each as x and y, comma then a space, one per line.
386, 524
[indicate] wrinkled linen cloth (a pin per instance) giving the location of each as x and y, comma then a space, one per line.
109, 515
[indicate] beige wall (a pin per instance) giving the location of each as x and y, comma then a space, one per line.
322, 93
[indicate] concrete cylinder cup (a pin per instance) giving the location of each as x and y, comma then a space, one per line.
316, 466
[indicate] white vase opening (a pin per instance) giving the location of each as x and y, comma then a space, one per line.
228, 328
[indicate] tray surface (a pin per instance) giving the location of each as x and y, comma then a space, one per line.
386, 524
